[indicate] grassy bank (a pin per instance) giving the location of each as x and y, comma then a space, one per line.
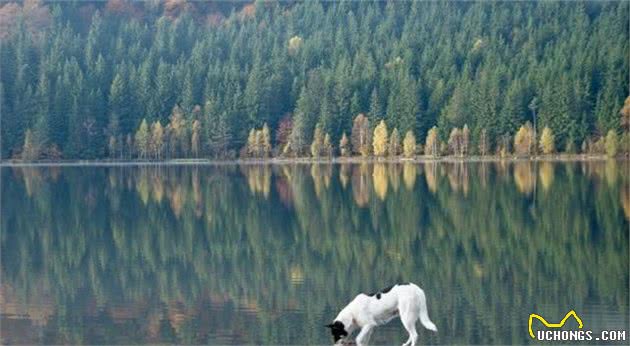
309, 160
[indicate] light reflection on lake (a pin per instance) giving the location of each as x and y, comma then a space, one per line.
268, 254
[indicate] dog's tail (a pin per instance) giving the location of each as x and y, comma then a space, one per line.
424, 314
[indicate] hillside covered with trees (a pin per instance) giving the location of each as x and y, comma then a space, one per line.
177, 79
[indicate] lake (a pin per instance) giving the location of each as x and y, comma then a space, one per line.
268, 254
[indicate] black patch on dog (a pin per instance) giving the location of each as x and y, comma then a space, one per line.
378, 294
338, 330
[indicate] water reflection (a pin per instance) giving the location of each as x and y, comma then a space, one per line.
266, 254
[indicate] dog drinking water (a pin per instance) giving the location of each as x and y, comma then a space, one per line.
367, 311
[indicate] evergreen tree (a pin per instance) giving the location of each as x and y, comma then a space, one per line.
344, 146
394, 143
142, 139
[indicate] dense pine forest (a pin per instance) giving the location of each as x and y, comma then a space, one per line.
178, 79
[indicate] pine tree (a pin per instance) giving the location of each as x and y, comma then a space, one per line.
376, 109
327, 148
344, 145
455, 142
483, 143
394, 143
465, 140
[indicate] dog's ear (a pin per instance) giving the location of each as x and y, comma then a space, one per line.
330, 325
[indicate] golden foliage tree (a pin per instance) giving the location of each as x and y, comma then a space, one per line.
295, 43
251, 143
612, 143
547, 141
432, 143
394, 143
409, 144
380, 139
157, 139
258, 140
318, 142
142, 139
625, 114
360, 137
524, 140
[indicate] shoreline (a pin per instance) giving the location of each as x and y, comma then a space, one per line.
307, 160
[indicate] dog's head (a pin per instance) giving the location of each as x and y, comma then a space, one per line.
338, 330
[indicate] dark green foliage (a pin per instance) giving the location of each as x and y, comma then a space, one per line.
79, 75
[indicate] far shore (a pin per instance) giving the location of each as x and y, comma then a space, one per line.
310, 160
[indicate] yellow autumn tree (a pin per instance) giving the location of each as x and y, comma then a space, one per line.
409, 144
157, 139
318, 142
432, 146
380, 139
547, 141
612, 143
524, 140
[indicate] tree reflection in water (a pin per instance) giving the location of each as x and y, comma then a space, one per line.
268, 254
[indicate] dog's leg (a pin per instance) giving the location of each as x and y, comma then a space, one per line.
364, 335
408, 318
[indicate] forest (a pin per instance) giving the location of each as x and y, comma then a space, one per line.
181, 79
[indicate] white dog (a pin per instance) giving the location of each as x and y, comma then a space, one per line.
367, 311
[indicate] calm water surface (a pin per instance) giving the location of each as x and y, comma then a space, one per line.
269, 254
